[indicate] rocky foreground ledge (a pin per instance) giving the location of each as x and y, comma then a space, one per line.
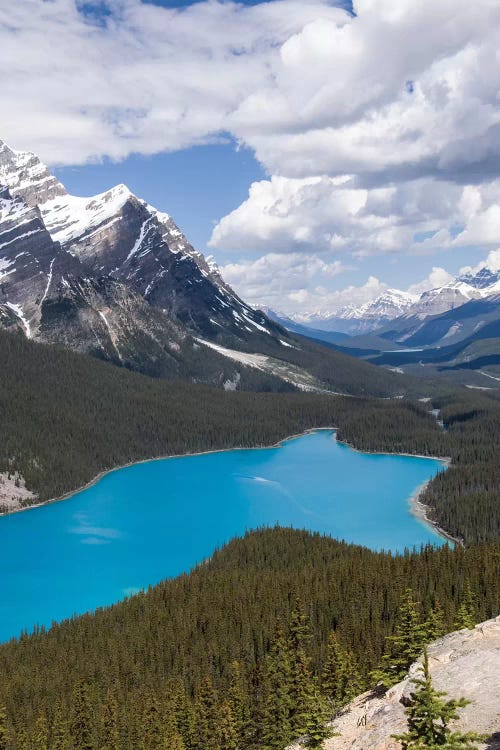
464, 664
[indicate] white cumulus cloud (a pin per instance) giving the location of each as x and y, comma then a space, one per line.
379, 131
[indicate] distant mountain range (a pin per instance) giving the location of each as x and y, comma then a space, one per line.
113, 277
453, 329
394, 303
463, 343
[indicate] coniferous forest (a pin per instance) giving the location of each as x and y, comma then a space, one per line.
244, 651
272, 636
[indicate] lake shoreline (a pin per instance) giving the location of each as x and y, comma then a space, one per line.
417, 508
420, 510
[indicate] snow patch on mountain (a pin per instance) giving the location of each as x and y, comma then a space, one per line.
17, 309
68, 217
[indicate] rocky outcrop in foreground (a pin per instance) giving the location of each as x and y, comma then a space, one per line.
464, 664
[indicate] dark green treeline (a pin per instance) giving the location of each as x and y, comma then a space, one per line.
210, 648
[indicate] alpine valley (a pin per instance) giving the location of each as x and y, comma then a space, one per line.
121, 343
453, 330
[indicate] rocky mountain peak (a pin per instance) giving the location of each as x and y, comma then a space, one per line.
390, 304
444, 298
113, 276
26, 176
481, 279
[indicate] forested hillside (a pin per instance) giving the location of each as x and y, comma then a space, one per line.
65, 418
194, 661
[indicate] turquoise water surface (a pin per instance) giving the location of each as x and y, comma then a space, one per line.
153, 520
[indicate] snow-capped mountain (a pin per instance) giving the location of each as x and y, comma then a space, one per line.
358, 319
394, 304
444, 298
112, 276
391, 304
484, 279
48, 293
119, 235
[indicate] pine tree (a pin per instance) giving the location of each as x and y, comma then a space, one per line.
301, 685
60, 729
277, 703
185, 718
340, 679
82, 718
429, 716
300, 629
172, 739
317, 729
152, 727
227, 734
110, 732
434, 627
405, 646
206, 711
41, 734
23, 741
466, 614
238, 702
4, 735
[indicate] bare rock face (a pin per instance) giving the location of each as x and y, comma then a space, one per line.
463, 664
117, 234
27, 259
112, 276
14, 493
27, 177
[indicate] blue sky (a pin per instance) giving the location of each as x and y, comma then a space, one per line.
197, 186
319, 150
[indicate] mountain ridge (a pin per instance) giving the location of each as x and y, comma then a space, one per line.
113, 277
393, 304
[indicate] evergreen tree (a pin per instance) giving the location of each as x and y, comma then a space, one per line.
23, 741
4, 735
405, 646
317, 729
434, 627
41, 734
185, 718
429, 716
277, 702
466, 614
110, 732
300, 628
340, 679
228, 733
152, 728
172, 739
206, 711
238, 701
82, 718
60, 729
301, 685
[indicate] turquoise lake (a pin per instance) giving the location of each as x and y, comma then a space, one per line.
153, 520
